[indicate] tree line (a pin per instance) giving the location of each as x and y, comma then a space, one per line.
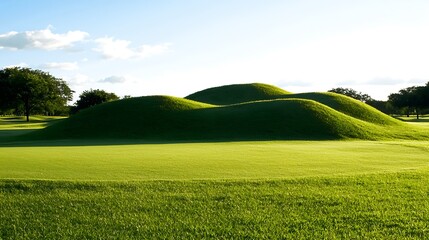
411, 100
25, 91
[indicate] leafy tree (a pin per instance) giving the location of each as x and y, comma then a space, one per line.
383, 106
32, 91
412, 99
352, 93
92, 97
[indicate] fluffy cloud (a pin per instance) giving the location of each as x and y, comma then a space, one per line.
40, 39
113, 79
120, 49
68, 66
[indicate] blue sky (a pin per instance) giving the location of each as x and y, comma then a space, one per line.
179, 47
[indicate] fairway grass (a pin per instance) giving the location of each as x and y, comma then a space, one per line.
11, 126
375, 206
198, 161
126, 189
19, 122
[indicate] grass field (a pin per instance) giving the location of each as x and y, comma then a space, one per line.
253, 112
190, 161
119, 188
19, 122
376, 206
262, 190
11, 126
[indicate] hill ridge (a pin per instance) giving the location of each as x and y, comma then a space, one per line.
303, 116
236, 93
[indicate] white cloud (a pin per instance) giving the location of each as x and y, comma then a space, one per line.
120, 49
40, 39
68, 66
114, 79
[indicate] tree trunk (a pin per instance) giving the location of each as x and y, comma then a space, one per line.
27, 109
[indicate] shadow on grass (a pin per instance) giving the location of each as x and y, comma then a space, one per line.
14, 132
423, 119
12, 142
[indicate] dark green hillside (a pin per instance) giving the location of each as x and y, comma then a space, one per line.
141, 117
160, 118
240, 93
348, 106
237, 93
278, 116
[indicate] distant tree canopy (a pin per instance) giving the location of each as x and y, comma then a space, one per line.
412, 99
29, 91
383, 106
92, 97
352, 93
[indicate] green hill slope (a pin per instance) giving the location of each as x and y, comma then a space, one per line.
348, 106
163, 118
240, 93
237, 93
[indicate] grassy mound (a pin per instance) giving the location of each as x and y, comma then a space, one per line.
348, 106
237, 93
240, 93
163, 118
278, 116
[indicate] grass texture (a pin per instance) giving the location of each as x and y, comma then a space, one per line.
162, 167
237, 93
200, 161
272, 114
382, 206
19, 122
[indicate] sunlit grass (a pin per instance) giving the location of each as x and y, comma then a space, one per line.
19, 122
129, 189
379, 206
234, 160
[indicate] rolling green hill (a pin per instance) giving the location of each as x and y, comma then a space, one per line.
279, 116
348, 106
237, 93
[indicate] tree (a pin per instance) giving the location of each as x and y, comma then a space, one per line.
382, 106
412, 99
352, 93
33, 91
91, 97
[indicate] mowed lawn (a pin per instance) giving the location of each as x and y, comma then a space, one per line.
373, 206
197, 161
225, 190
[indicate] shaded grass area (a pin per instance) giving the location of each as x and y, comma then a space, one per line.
223, 160
240, 112
20, 123
240, 93
11, 126
392, 206
163, 118
422, 119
